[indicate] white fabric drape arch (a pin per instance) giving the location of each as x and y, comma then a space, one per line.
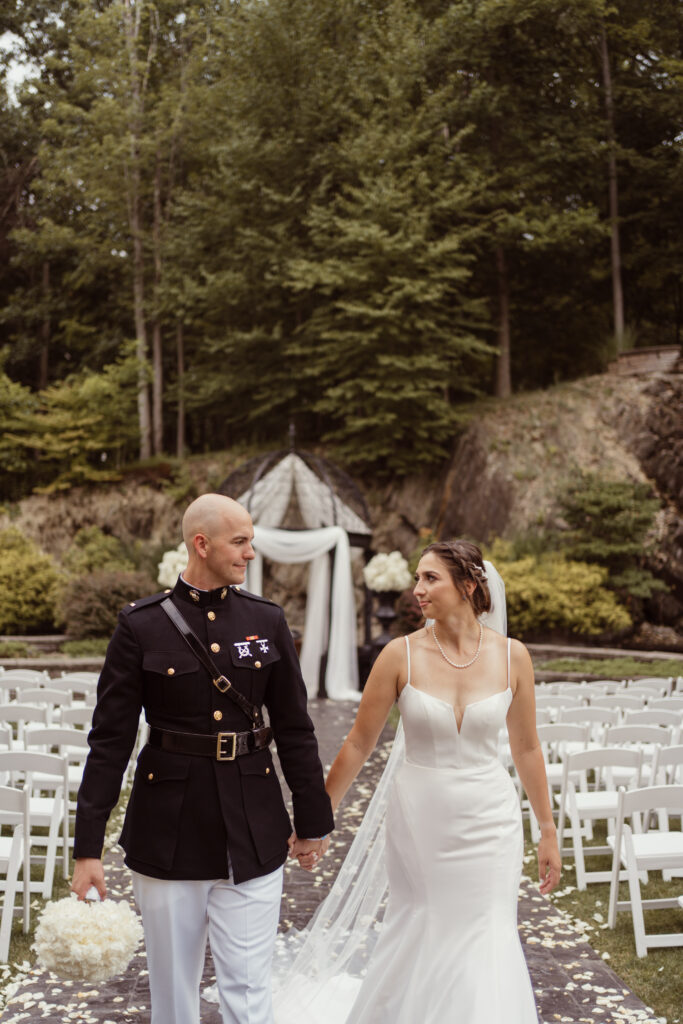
330, 614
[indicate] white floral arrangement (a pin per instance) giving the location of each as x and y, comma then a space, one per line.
87, 941
387, 572
171, 565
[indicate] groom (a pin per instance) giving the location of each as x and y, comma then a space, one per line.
206, 831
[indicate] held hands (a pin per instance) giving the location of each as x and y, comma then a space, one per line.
88, 871
549, 860
307, 851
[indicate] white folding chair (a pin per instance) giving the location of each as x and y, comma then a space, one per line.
18, 715
645, 738
555, 701
543, 716
673, 703
65, 740
641, 851
15, 812
657, 716
81, 716
10, 866
46, 696
47, 812
667, 770
621, 701
666, 682
556, 741
600, 803
16, 678
606, 685
597, 719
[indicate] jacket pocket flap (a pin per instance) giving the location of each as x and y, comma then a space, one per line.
254, 654
156, 766
170, 663
258, 763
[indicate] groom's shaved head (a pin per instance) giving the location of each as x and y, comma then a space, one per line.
211, 513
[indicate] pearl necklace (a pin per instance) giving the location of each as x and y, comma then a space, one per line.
445, 656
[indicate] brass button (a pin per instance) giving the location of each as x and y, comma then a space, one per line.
257, 664
211, 616
237, 588
215, 648
132, 604
170, 671
267, 771
150, 776
168, 590
218, 715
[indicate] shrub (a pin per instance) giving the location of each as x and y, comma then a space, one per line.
90, 603
92, 647
92, 549
29, 584
550, 593
609, 521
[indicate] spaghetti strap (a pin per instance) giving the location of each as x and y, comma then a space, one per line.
408, 656
508, 662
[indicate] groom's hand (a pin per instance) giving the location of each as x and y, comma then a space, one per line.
308, 851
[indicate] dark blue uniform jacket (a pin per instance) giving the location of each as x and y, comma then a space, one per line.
186, 813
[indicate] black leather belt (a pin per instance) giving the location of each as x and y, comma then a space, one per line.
222, 746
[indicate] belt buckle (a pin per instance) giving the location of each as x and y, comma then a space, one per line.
222, 683
221, 755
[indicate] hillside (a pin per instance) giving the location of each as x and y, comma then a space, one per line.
508, 464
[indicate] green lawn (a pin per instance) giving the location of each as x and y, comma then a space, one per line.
657, 979
624, 667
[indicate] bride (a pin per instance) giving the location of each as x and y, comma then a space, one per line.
448, 948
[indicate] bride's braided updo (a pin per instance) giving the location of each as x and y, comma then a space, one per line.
465, 563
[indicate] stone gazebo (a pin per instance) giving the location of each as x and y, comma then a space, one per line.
306, 509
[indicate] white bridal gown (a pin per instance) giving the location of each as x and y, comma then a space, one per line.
448, 950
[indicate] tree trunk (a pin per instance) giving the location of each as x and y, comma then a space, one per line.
44, 330
503, 379
180, 354
157, 359
617, 291
135, 220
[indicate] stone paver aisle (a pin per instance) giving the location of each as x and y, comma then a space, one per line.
572, 983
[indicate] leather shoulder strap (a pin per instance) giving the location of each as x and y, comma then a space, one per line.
221, 682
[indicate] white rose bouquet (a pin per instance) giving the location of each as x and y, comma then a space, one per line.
387, 572
171, 565
87, 941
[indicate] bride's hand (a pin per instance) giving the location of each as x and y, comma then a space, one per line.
549, 861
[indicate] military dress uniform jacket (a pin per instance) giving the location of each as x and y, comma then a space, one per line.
186, 814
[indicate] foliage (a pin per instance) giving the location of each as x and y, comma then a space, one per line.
80, 425
551, 593
92, 549
92, 647
323, 212
15, 461
29, 584
13, 649
625, 667
609, 522
90, 604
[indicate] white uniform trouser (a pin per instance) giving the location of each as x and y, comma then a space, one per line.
241, 924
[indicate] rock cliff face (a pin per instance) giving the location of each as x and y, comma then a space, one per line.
513, 459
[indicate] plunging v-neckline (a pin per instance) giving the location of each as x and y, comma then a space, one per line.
482, 700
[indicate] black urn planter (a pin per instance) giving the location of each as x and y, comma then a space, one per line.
385, 613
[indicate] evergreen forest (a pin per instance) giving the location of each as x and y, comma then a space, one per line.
222, 217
